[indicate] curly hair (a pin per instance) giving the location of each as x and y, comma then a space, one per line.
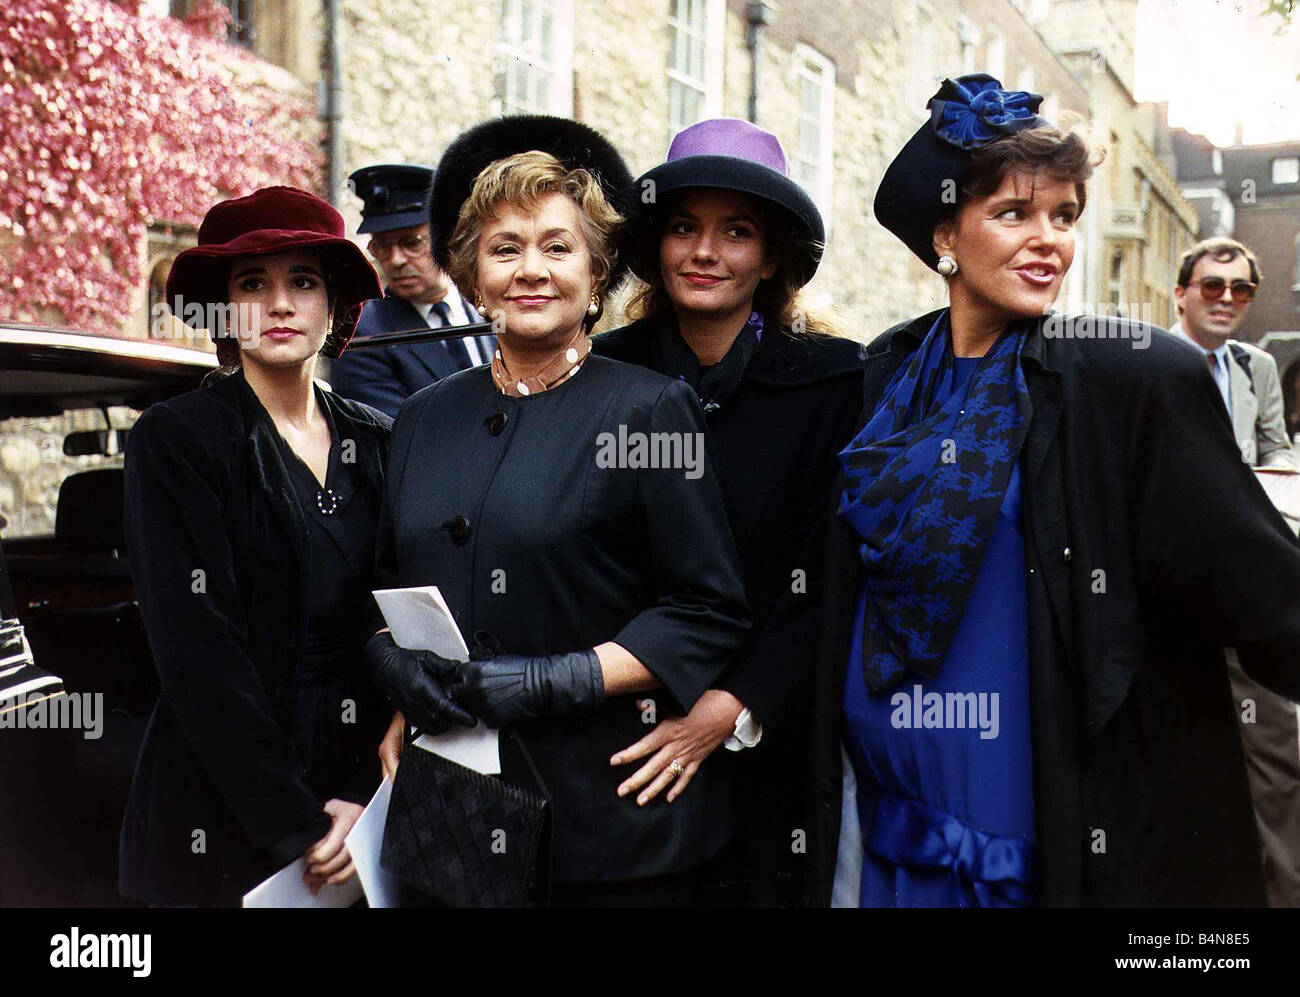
522, 180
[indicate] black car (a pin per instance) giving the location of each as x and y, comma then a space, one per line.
67, 402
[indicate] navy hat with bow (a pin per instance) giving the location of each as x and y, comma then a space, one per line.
920, 186
395, 196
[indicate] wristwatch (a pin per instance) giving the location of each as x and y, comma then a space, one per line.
747, 734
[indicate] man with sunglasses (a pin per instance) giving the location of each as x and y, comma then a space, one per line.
1217, 280
417, 295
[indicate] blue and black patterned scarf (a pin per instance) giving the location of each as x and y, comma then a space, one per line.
926, 481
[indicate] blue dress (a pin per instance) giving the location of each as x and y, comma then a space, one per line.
945, 768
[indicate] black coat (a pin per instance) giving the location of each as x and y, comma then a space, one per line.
507, 506
1130, 470
777, 441
386, 376
216, 538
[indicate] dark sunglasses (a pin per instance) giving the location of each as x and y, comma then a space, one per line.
1212, 289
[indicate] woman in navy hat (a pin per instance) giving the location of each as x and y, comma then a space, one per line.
589, 568
1045, 538
251, 508
723, 240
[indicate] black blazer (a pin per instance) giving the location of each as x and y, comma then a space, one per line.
1149, 548
216, 538
777, 441
388, 375
536, 535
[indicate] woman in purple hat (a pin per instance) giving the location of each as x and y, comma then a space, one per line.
251, 509
1045, 538
723, 240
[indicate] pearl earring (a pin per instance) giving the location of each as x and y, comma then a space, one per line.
947, 265
594, 307
478, 303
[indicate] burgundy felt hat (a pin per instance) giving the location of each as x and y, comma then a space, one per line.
268, 221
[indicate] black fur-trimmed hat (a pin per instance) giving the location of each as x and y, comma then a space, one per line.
571, 142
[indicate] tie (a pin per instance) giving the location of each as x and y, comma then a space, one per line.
455, 347
1214, 363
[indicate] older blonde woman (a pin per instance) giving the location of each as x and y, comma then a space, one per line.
595, 576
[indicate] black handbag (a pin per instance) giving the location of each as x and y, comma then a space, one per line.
465, 839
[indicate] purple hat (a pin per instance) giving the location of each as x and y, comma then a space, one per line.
731, 154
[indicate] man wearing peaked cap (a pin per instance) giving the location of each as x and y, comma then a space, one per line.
417, 295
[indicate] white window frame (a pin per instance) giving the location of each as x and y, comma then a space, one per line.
995, 58
713, 39
812, 65
1291, 174
520, 60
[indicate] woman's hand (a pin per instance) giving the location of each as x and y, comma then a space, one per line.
413, 681
390, 748
328, 861
688, 740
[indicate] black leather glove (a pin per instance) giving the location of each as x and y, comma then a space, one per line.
412, 681
511, 687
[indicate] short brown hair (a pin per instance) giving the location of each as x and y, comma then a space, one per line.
522, 180
1062, 155
1221, 249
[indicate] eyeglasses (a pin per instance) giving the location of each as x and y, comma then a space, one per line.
410, 246
1212, 289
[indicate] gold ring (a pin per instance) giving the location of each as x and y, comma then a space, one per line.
675, 767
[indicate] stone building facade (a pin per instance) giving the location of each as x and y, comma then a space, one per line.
842, 83
1138, 222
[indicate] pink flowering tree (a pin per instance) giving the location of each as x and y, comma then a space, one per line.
113, 121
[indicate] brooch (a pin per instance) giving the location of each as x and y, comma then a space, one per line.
327, 501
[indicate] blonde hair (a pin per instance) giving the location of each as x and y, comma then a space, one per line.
522, 180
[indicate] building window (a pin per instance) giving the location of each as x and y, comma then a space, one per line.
1295, 277
995, 58
242, 29
1286, 169
1216, 162
533, 61
814, 164
1025, 80
695, 43
1051, 109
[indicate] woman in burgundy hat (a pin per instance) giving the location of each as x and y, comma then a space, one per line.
251, 507
724, 240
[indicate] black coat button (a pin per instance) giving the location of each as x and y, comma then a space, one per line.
459, 529
496, 423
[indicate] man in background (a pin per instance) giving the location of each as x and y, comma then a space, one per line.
1217, 280
417, 296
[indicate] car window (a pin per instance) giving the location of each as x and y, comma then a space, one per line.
33, 465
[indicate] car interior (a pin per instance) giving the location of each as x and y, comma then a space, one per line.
71, 588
